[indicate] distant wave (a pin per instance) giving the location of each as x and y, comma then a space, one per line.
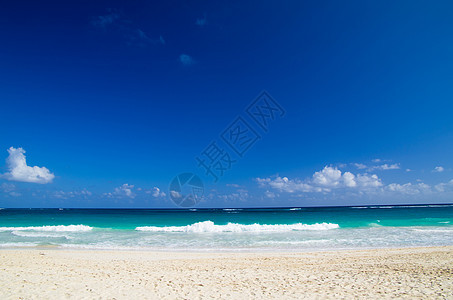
60, 228
209, 226
423, 206
404, 206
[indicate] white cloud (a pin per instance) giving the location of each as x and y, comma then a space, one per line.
175, 194
389, 167
442, 187
368, 181
269, 194
156, 192
331, 178
385, 167
328, 176
84, 192
19, 171
72, 194
409, 188
186, 60
123, 191
323, 181
349, 179
376, 160
284, 184
438, 169
360, 166
334, 178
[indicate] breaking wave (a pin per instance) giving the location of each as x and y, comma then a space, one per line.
59, 228
209, 226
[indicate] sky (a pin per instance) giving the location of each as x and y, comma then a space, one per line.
266, 103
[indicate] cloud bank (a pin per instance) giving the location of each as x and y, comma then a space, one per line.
330, 179
325, 180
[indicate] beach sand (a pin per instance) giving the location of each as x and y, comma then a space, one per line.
366, 274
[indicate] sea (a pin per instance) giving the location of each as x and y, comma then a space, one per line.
236, 229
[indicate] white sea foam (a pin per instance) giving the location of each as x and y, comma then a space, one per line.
15, 245
434, 230
304, 242
39, 234
209, 226
60, 228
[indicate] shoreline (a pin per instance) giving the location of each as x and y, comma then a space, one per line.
220, 250
106, 274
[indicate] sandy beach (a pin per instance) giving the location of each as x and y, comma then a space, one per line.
384, 273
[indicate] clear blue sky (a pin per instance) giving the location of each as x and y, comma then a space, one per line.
115, 98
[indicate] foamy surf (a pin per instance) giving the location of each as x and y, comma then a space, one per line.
232, 229
40, 234
209, 226
59, 228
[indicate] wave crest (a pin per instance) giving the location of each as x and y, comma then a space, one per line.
60, 228
209, 226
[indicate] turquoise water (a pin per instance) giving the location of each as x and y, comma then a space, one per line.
229, 229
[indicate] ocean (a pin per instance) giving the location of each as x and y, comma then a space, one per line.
267, 229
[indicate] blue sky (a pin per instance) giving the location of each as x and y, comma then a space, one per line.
109, 101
